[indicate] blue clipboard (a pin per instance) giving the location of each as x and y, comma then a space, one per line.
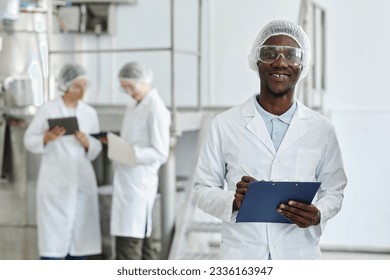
263, 198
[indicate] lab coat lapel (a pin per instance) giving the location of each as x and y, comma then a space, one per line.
144, 102
296, 129
62, 106
65, 111
255, 124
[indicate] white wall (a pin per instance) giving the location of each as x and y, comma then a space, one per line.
358, 102
144, 25
358, 38
363, 222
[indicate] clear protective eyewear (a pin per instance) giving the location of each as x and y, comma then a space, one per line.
129, 86
78, 86
270, 53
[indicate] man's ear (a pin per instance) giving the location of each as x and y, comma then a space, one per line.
300, 72
258, 67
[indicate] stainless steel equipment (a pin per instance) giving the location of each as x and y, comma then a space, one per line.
23, 74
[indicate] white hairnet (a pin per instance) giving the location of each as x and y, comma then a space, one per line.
68, 74
136, 71
282, 27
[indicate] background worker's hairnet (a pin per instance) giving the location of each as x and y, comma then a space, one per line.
68, 74
282, 27
136, 71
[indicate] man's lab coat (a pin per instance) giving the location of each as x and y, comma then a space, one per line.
67, 198
146, 127
309, 152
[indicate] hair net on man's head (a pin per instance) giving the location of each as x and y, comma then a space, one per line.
136, 71
282, 27
68, 74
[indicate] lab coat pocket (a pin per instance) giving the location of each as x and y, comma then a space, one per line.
231, 250
313, 253
306, 164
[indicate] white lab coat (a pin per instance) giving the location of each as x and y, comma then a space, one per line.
146, 127
67, 198
308, 152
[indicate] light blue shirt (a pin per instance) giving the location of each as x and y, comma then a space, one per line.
276, 125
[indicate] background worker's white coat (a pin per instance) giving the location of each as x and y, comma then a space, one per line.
146, 127
309, 152
67, 197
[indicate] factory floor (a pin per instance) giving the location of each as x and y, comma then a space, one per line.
333, 255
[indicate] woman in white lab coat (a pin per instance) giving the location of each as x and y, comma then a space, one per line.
67, 199
145, 126
274, 137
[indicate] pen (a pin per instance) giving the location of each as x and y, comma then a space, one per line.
247, 171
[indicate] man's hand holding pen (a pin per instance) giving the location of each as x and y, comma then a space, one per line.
241, 188
301, 214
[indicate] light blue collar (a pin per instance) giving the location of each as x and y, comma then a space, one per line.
267, 117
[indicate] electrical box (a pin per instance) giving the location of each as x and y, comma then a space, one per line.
86, 16
69, 19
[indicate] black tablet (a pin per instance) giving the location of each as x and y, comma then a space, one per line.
100, 134
69, 123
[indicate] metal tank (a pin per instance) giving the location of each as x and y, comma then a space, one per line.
23, 81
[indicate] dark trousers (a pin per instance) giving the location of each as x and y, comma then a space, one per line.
129, 248
68, 257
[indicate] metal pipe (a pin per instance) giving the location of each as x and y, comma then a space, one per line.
323, 41
173, 57
314, 47
168, 175
187, 52
199, 55
168, 203
59, 52
49, 29
109, 50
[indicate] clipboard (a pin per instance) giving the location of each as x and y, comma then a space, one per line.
119, 150
263, 198
69, 123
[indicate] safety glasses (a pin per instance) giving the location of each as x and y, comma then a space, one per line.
129, 85
78, 86
270, 53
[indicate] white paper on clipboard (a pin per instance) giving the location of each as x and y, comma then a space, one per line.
119, 150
